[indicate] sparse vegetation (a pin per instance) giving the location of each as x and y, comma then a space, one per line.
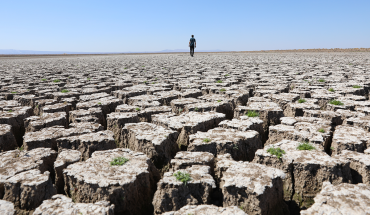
13, 92
235, 147
227, 75
88, 79
44, 79
56, 81
321, 80
222, 90
332, 148
10, 110
305, 146
196, 109
206, 140
331, 90
65, 91
219, 100
278, 152
21, 148
301, 100
335, 102
181, 110
183, 177
99, 103
252, 113
145, 82
119, 161
322, 130
356, 86
219, 81
137, 109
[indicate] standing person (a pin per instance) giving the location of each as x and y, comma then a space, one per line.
192, 45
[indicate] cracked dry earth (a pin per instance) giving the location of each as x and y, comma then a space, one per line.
107, 134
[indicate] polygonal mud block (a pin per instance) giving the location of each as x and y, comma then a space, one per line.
305, 170
130, 186
28, 100
6, 208
9, 104
15, 119
94, 96
361, 122
207, 210
297, 109
145, 115
350, 138
72, 100
107, 104
124, 108
28, 189
228, 101
303, 131
145, 99
347, 105
191, 93
59, 95
36, 123
255, 188
117, 120
341, 199
172, 194
47, 137
223, 163
323, 98
87, 143
220, 107
128, 92
188, 123
345, 114
167, 96
283, 99
7, 139
64, 159
182, 160
178, 105
62, 205
95, 127
96, 112
269, 112
39, 104
333, 117
245, 123
258, 99
359, 164
59, 107
218, 141
157, 142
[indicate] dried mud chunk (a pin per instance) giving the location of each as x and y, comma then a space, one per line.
96, 112
59, 107
178, 105
220, 107
341, 199
333, 117
95, 127
129, 187
188, 123
172, 194
6, 208
182, 160
297, 109
305, 170
283, 99
117, 120
361, 122
107, 104
255, 188
64, 159
28, 189
245, 123
218, 141
359, 164
207, 210
87, 143
350, 138
15, 119
7, 139
157, 142
62, 205
36, 123
146, 114
167, 96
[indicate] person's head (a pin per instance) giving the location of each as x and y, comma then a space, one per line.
192, 35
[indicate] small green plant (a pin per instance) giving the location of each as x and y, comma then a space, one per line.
65, 91
153, 83
335, 102
219, 100
137, 109
321, 130
181, 110
321, 80
196, 109
331, 90
332, 148
206, 140
99, 103
119, 161
145, 82
183, 177
56, 81
278, 152
21, 148
305, 146
356, 86
10, 110
227, 75
143, 66
13, 92
252, 113
222, 90
88, 79
219, 81
156, 78
125, 67
301, 100
235, 147
44, 79
350, 64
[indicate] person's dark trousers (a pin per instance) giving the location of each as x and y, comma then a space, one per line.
191, 51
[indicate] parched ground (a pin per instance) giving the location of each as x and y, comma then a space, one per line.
112, 134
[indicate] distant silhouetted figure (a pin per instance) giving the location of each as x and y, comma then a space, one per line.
192, 45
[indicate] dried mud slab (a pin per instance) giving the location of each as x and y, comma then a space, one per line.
117, 120
245, 123
183, 160
64, 159
171, 194
305, 170
7, 139
6, 208
341, 199
206, 210
62, 205
15, 117
36, 123
359, 164
130, 187
350, 138
218, 141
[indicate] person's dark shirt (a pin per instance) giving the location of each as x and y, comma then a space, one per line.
192, 41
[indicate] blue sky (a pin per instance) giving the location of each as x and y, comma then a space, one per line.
154, 25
